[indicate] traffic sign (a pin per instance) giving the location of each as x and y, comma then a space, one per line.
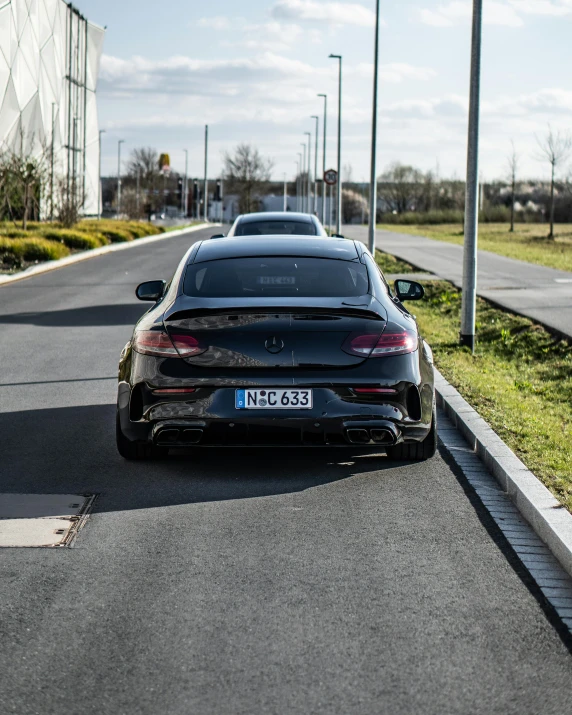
331, 177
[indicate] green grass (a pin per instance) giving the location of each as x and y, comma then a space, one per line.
529, 241
15, 251
519, 380
391, 264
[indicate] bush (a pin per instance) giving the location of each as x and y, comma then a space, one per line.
116, 235
412, 218
33, 249
74, 239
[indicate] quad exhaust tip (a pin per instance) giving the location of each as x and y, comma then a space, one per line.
384, 436
178, 437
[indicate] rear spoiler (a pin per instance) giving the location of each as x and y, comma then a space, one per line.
304, 312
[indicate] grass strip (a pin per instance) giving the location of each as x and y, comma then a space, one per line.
519, 380
529, 242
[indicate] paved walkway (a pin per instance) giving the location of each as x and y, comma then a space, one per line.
543, 294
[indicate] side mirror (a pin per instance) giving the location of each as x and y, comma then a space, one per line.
409, 290
150, 290
218, 235
337, 235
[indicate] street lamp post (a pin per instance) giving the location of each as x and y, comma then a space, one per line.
469, 293
339, 184
99, 198
324, 186
315, 206
309, 204
303, 182
185, 197
119, 143
206, 196
373, 173
298, 183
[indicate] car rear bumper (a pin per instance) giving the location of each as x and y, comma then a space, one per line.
212, 420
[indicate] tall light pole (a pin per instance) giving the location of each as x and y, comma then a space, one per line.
206, 196
339, 184
309, 204
119, 143
469, 295
185, 196
99, 197
52, 160
303, 182
285, 203
315, 206
298, 183
324, 186
373, 173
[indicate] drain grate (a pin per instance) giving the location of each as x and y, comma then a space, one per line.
42, 520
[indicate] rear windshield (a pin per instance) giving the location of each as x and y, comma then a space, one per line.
276, 277
283, 228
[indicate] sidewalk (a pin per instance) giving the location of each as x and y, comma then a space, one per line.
543, 294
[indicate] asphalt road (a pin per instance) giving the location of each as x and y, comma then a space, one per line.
239, 582
543, 294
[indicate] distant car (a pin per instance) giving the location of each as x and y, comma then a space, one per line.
289, 341
276, 223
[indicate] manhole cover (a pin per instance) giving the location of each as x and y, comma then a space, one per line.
42, 520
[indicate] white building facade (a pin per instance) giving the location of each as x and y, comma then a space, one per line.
49, 64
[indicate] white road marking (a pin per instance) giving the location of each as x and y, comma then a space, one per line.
41, 520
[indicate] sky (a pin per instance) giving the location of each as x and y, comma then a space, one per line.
252, 72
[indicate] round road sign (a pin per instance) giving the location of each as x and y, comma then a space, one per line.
331, 177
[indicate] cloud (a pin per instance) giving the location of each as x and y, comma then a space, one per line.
495, 12
332, 13
216, 22
394, 72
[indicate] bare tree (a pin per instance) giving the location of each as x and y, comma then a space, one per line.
512, 167
555, 147
244, 173
402, 187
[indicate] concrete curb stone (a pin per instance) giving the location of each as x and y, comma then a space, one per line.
549, 519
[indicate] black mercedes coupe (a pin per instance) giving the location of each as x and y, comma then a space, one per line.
264, 341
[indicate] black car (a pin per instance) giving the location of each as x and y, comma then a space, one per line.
276, 223
293, 341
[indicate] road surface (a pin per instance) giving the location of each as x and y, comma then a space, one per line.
543, 294
277, 581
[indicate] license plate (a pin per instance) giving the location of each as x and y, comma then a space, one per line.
273, 399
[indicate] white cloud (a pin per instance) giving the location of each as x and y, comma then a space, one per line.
495, 12
332, 13
217, 22
394, 72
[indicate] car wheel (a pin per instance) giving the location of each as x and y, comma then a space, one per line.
136, 451
417, 451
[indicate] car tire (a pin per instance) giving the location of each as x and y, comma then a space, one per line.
417, 451
136, 451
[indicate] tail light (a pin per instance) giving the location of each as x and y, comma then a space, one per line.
395, 340
374, 390
175, 391
158, 343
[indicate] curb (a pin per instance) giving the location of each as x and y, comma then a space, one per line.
549, 519
95, 252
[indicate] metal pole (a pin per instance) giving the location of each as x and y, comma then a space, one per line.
330, 212
373, 173
469, 297
119, 143
315, 205
99, 198
206, 197
298, 183
303, 180
184, 197
309, 187
285, 204
339, 184
324, 186
52, 162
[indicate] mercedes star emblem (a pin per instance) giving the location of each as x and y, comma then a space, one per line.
274, 345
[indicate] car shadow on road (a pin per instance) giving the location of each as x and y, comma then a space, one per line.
72, 450
91, 315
